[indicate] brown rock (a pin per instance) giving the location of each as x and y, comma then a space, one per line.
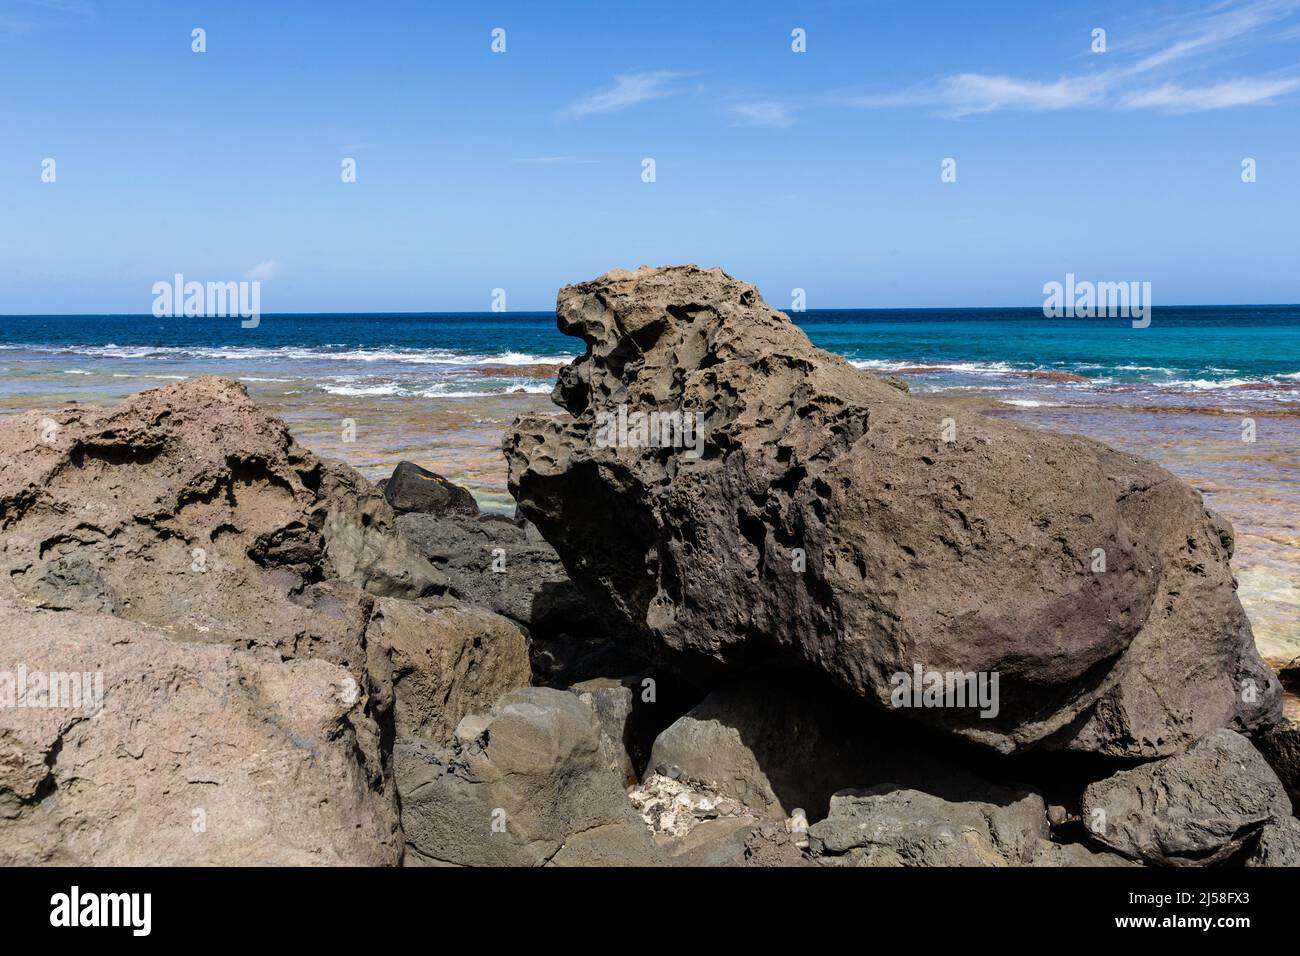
188, 508
525, 784
1199, 808
833, 519
201, 754
447, 661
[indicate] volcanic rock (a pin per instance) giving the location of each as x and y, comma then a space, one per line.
1195, 809
1290, 675
201, 754
612, 702
1281, 748
412, 488
772, 742
526, 784
1279, 844
890, 826
509, 568
246, 604
446, 661
821, 515
188, 508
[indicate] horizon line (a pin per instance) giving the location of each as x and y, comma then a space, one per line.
535, 312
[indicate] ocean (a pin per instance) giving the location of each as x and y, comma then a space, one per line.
1210, 392
1223, 357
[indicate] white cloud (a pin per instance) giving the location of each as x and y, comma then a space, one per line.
761, 113
629, 89
263, 271
1182, 99
1216, 27
1211, 30
968, 93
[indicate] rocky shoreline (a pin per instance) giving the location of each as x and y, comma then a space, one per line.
676, 653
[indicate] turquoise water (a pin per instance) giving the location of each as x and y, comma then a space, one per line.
1187, 357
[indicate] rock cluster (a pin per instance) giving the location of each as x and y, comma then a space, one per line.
703, 641
259, 630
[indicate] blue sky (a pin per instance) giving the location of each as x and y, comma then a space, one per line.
522, 170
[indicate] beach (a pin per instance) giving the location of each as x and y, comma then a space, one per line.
440, 390
836, 604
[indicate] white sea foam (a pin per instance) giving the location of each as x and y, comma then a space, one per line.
361, 389
976, 368
1206, 384
401, 356
434, 390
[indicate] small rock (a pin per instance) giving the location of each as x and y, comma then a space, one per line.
447, 660
412, 488
890, 826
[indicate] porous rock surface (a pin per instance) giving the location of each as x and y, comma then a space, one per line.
835, 519
201, 754
887, 825
261, 630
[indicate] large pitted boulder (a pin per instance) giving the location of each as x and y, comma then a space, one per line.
527, 784
134, 749
1199, 808
830, 517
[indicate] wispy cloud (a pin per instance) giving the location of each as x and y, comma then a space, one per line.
554, 161
1179, 46
82, 8
628, 89
1181, 99
27, 16
968, 93
1213, 28
762, 113
263, 271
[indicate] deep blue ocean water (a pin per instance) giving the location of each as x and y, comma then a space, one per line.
1188, 356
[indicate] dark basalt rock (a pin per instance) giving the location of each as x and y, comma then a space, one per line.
412, 488
509, 568
1281, 748
832, 519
